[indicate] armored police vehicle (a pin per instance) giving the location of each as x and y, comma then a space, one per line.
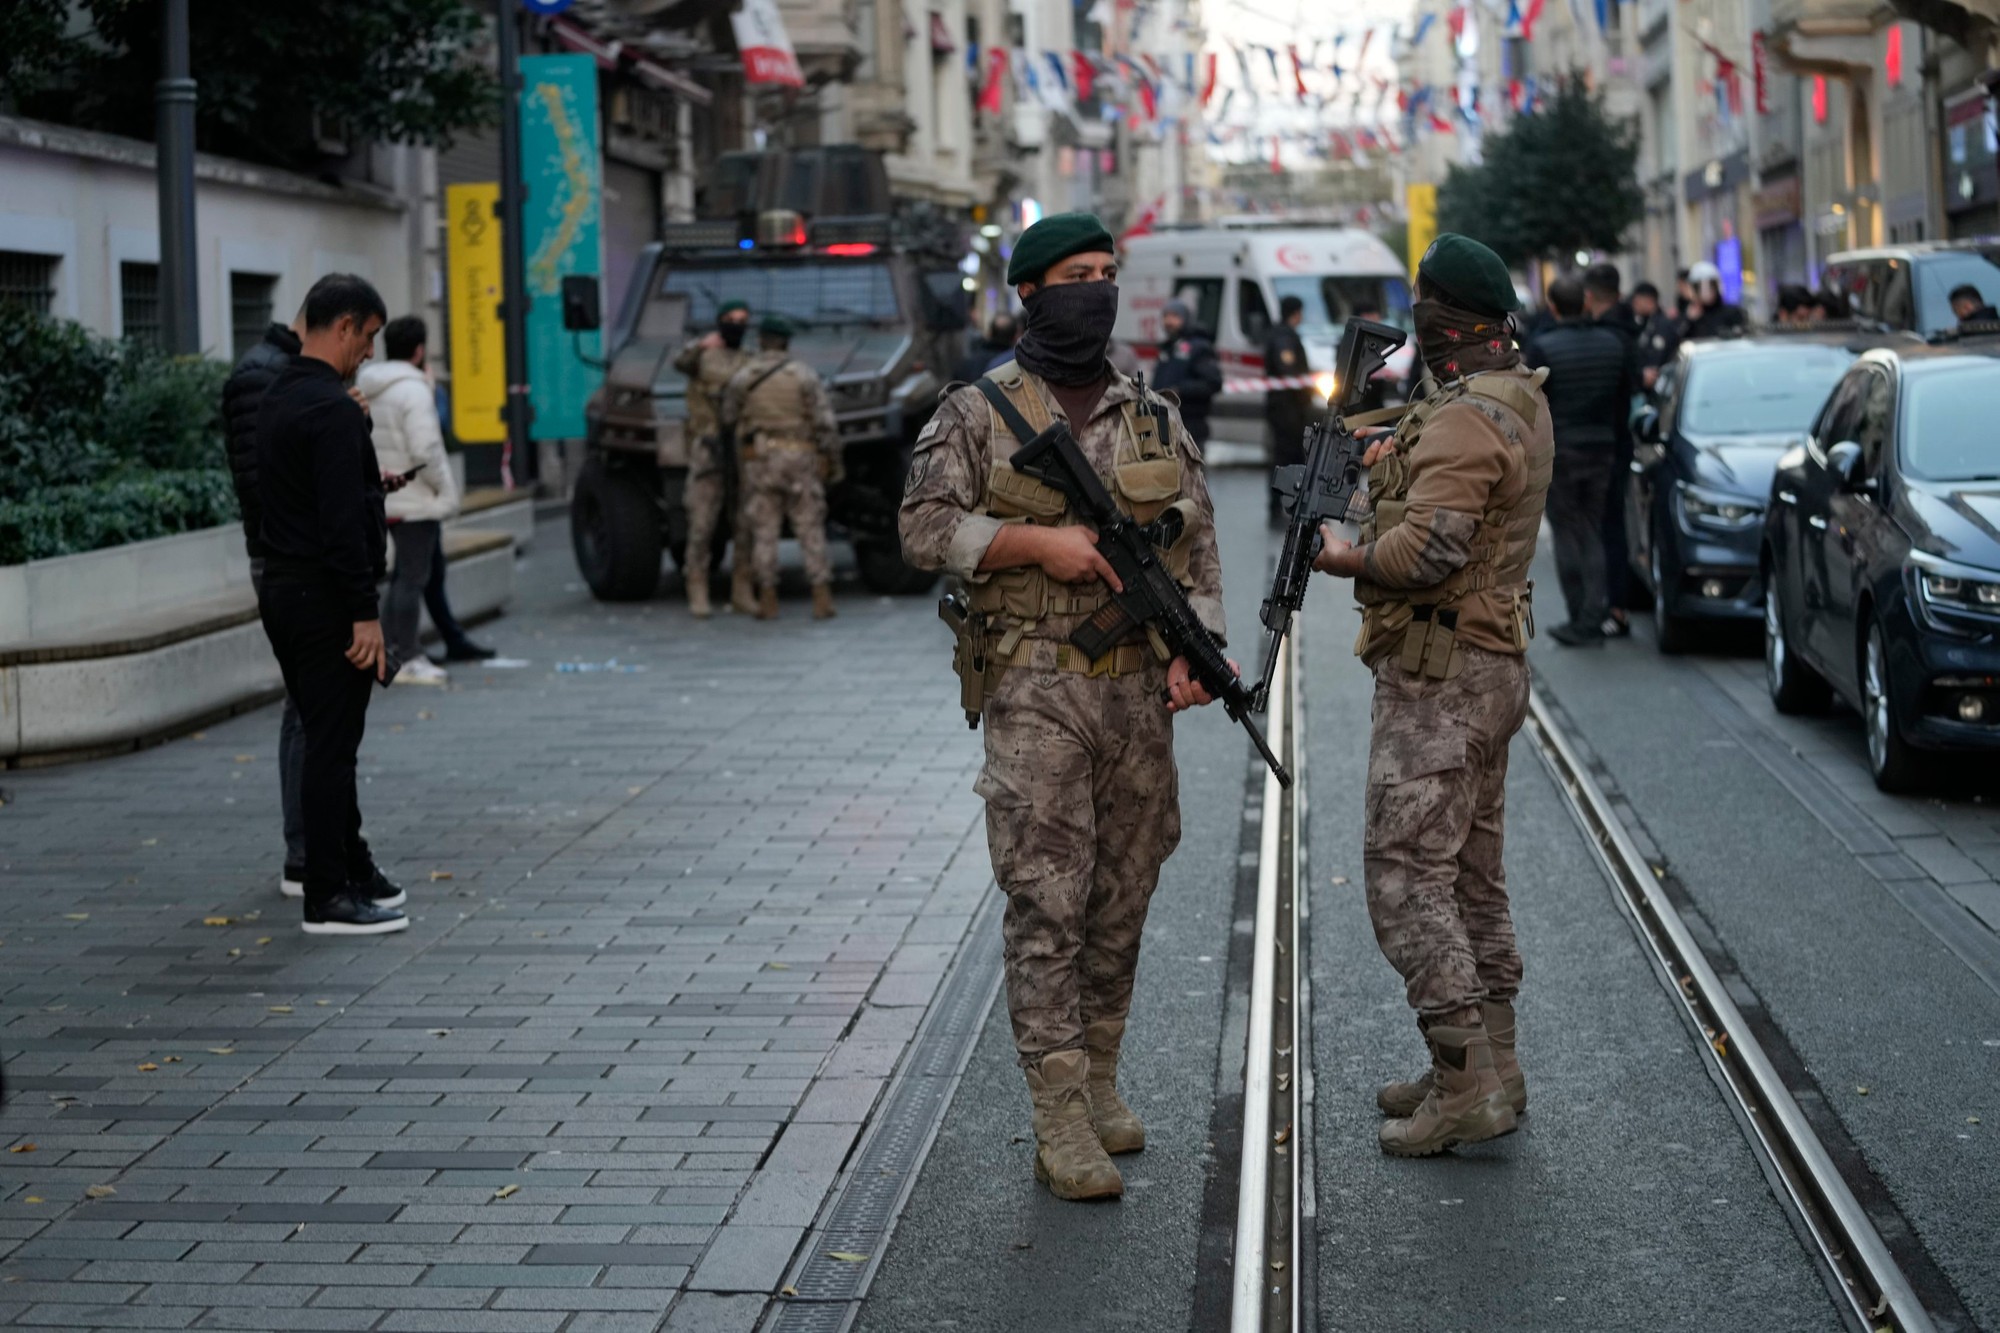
876, 298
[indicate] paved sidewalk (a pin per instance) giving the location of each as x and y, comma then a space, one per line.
673, 928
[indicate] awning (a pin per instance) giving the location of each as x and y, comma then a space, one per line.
612, 55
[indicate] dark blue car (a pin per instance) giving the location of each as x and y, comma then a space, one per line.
1702, 468
1882, 555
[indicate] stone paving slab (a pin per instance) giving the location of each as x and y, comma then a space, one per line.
672, 930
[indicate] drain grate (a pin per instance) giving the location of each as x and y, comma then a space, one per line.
885, 1169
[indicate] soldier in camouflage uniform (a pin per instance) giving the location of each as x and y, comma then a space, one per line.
789, 441
1082, 796
708, 362
1441, 575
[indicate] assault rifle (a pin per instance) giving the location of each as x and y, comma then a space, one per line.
1152, 600
1322, 487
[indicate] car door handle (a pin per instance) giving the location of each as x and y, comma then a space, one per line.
1817, 522
1788, 497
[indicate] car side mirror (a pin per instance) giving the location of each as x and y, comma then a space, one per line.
1844, 461
580, 310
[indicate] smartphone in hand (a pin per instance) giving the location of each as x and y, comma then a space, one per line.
407, 477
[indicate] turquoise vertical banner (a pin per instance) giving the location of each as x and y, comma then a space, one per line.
563, 170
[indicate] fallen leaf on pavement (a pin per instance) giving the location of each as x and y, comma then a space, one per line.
263, 939
34, 1198
437, 875
76, 916
99, 1191
788, 1291
847, 1256
148, 1067
281, 1008
246, 758
1862, 1089
221, 1050
173, 1060
779, 967
235, 953
22, 1147
217, 920
506, 1191
1340, 879
322, 1003
150, 842
197, 735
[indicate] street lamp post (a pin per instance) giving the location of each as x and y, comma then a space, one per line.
513, 272
173, 98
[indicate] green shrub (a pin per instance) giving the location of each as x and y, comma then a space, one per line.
103, 443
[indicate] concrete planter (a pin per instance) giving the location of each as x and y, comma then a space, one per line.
77, 594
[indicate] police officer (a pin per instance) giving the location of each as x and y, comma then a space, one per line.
789, 441
1082, 800
708, 362
1442, 577
1188, 368
1287, 410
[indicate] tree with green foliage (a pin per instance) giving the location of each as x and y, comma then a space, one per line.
274, 81
1560, 180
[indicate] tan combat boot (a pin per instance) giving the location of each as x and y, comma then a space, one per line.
767, 604
1465, 1103
822, 602
1118, 1126
1068, 1157
742, 592
698, 606
1402, 1099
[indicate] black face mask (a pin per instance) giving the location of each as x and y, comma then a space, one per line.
1067, 331
732, 333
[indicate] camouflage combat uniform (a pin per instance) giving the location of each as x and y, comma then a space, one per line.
708, 369
1457, 507
1081, 791
789, 441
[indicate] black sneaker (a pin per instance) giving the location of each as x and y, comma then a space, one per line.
349, 914
379, 890
1578, 636
469, 652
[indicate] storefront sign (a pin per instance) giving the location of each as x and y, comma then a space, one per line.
1777, 204
477, 348
562, 167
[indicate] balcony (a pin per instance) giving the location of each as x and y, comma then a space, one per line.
1831, 37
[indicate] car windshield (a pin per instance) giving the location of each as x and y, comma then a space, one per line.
845, 295
1760, 390
1948, 422
1330, 300
1939, 275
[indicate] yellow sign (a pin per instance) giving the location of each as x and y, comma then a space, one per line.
1422, 207
478, 346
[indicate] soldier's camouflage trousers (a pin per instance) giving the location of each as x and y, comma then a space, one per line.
780, 484
1082, 808
703, 499
1437, 790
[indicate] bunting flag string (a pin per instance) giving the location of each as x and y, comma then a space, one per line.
1208, 79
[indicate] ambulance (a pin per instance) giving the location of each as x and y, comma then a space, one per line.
1232, 274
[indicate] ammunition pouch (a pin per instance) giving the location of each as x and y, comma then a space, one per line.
1430, 644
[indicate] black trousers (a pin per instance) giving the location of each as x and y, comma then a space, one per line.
438, 605
417, 544
310, 629
1578, 493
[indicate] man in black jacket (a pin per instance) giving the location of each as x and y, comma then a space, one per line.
242, 395
1189, 367
1287, 411
1601, 283
325, 550
1590, 385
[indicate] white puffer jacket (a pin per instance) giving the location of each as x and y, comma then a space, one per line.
407, 433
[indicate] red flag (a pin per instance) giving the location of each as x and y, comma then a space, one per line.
1456, 22
1086, 74
992, 90
1362, 54
1298, 72
1276, 165
1529, 19
1148, 99
1440, 124
1208, 80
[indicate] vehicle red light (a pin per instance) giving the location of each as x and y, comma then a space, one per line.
850, 249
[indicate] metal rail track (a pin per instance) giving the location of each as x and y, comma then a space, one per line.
1268, 1295
1877, 1293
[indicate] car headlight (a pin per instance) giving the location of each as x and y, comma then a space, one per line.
1715, 509
1957, 597
1962, 592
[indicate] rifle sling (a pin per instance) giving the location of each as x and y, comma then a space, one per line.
1008, 412
1381, 416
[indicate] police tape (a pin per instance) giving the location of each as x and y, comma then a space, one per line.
1279, 382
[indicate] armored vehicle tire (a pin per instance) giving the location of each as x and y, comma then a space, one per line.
615, 528
884, 570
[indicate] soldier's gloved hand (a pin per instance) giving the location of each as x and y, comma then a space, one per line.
1184, 690
1070, 555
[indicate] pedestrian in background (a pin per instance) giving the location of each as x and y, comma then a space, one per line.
242, 394
1589, 389
1795, 304
1442, 577
409, 443
1602, 303
985, 353
321, 498
708, 362
1287, 411
789, 441
1657, 340
1708, 315
1188, 367
1970, 305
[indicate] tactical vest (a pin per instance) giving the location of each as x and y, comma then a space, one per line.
774, 413
1503, 545
1011, 607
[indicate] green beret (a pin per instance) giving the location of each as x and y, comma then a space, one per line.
731, 307
1468, 274
1054, 239
775, 325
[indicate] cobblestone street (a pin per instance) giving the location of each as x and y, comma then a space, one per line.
675, 920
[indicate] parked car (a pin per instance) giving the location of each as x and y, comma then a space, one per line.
1910, 286
1881, 555
1702, 466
